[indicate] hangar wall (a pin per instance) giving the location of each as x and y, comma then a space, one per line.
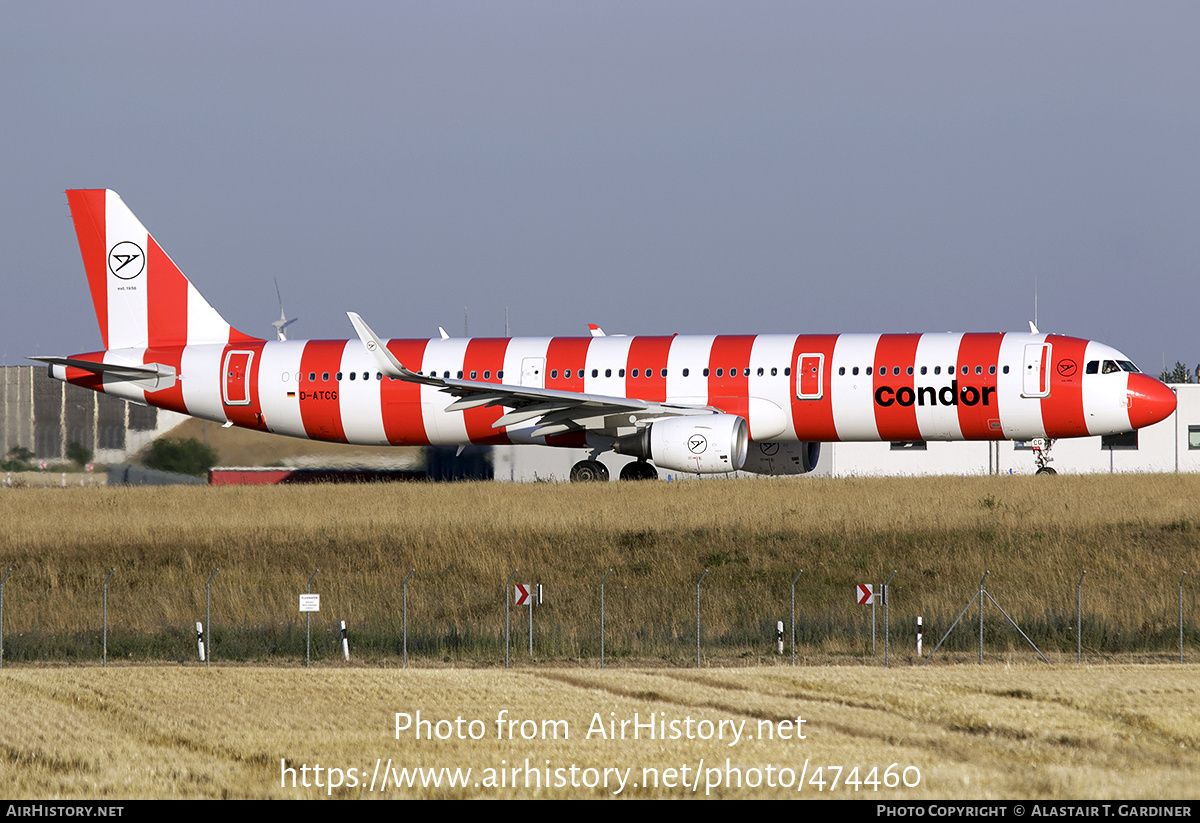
46, 415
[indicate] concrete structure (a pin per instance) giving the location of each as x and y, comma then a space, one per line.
1170, 446
46, 415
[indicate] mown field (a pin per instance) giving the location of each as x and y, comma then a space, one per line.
1134, 535
951, 732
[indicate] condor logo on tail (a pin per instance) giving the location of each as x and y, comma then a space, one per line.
126, 260
950, 395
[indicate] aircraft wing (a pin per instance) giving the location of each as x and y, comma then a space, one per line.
553, 411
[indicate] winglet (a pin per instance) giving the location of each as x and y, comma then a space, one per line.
384, 359
1033, 329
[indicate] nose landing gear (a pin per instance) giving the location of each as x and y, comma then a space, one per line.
1041, 454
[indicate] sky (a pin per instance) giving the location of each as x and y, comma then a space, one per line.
653, 167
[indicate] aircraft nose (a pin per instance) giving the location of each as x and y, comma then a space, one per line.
1149, 401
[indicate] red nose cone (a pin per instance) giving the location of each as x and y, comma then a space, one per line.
1149, 401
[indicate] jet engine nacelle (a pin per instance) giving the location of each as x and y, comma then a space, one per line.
782, 458
705, 444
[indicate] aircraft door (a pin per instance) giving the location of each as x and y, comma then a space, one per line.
533, 372
237, 378
1035, 381
810, 376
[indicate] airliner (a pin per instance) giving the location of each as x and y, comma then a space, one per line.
702, 404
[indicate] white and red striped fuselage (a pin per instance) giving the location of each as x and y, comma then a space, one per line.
789, 388
687, 402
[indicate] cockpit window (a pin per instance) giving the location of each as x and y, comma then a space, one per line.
1093, 367
1127, 366
1109, 367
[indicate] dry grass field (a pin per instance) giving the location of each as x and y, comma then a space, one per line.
1026, 732
1134, 535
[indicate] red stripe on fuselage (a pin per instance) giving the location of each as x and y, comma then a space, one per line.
566, 355
895, 398
484, 355
81, 377
400, 401
730, 391
813, 419
978, 409
1062, 409
320, 408
647, 355
87, 212
166, 299
171, 398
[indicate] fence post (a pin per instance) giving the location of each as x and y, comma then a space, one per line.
7, 573
104, 658
794, 579
308, 624
410, 574
1181, 614
1079, 619
887, 622
507, 600
208, 616
698, 582
980, 596
602, 582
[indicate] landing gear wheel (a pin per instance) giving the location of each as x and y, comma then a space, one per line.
639, 470
1041, 455
589, 471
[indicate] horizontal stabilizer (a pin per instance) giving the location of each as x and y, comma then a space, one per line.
151, 376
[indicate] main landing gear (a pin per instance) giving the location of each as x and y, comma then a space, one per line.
1041, 455
593, 471
589, 471
639, 470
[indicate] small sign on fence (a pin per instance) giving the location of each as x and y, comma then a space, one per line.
310, 602
865, 594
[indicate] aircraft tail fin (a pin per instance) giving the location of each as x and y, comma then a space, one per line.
142, 299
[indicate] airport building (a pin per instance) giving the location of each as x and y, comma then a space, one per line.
46, 416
